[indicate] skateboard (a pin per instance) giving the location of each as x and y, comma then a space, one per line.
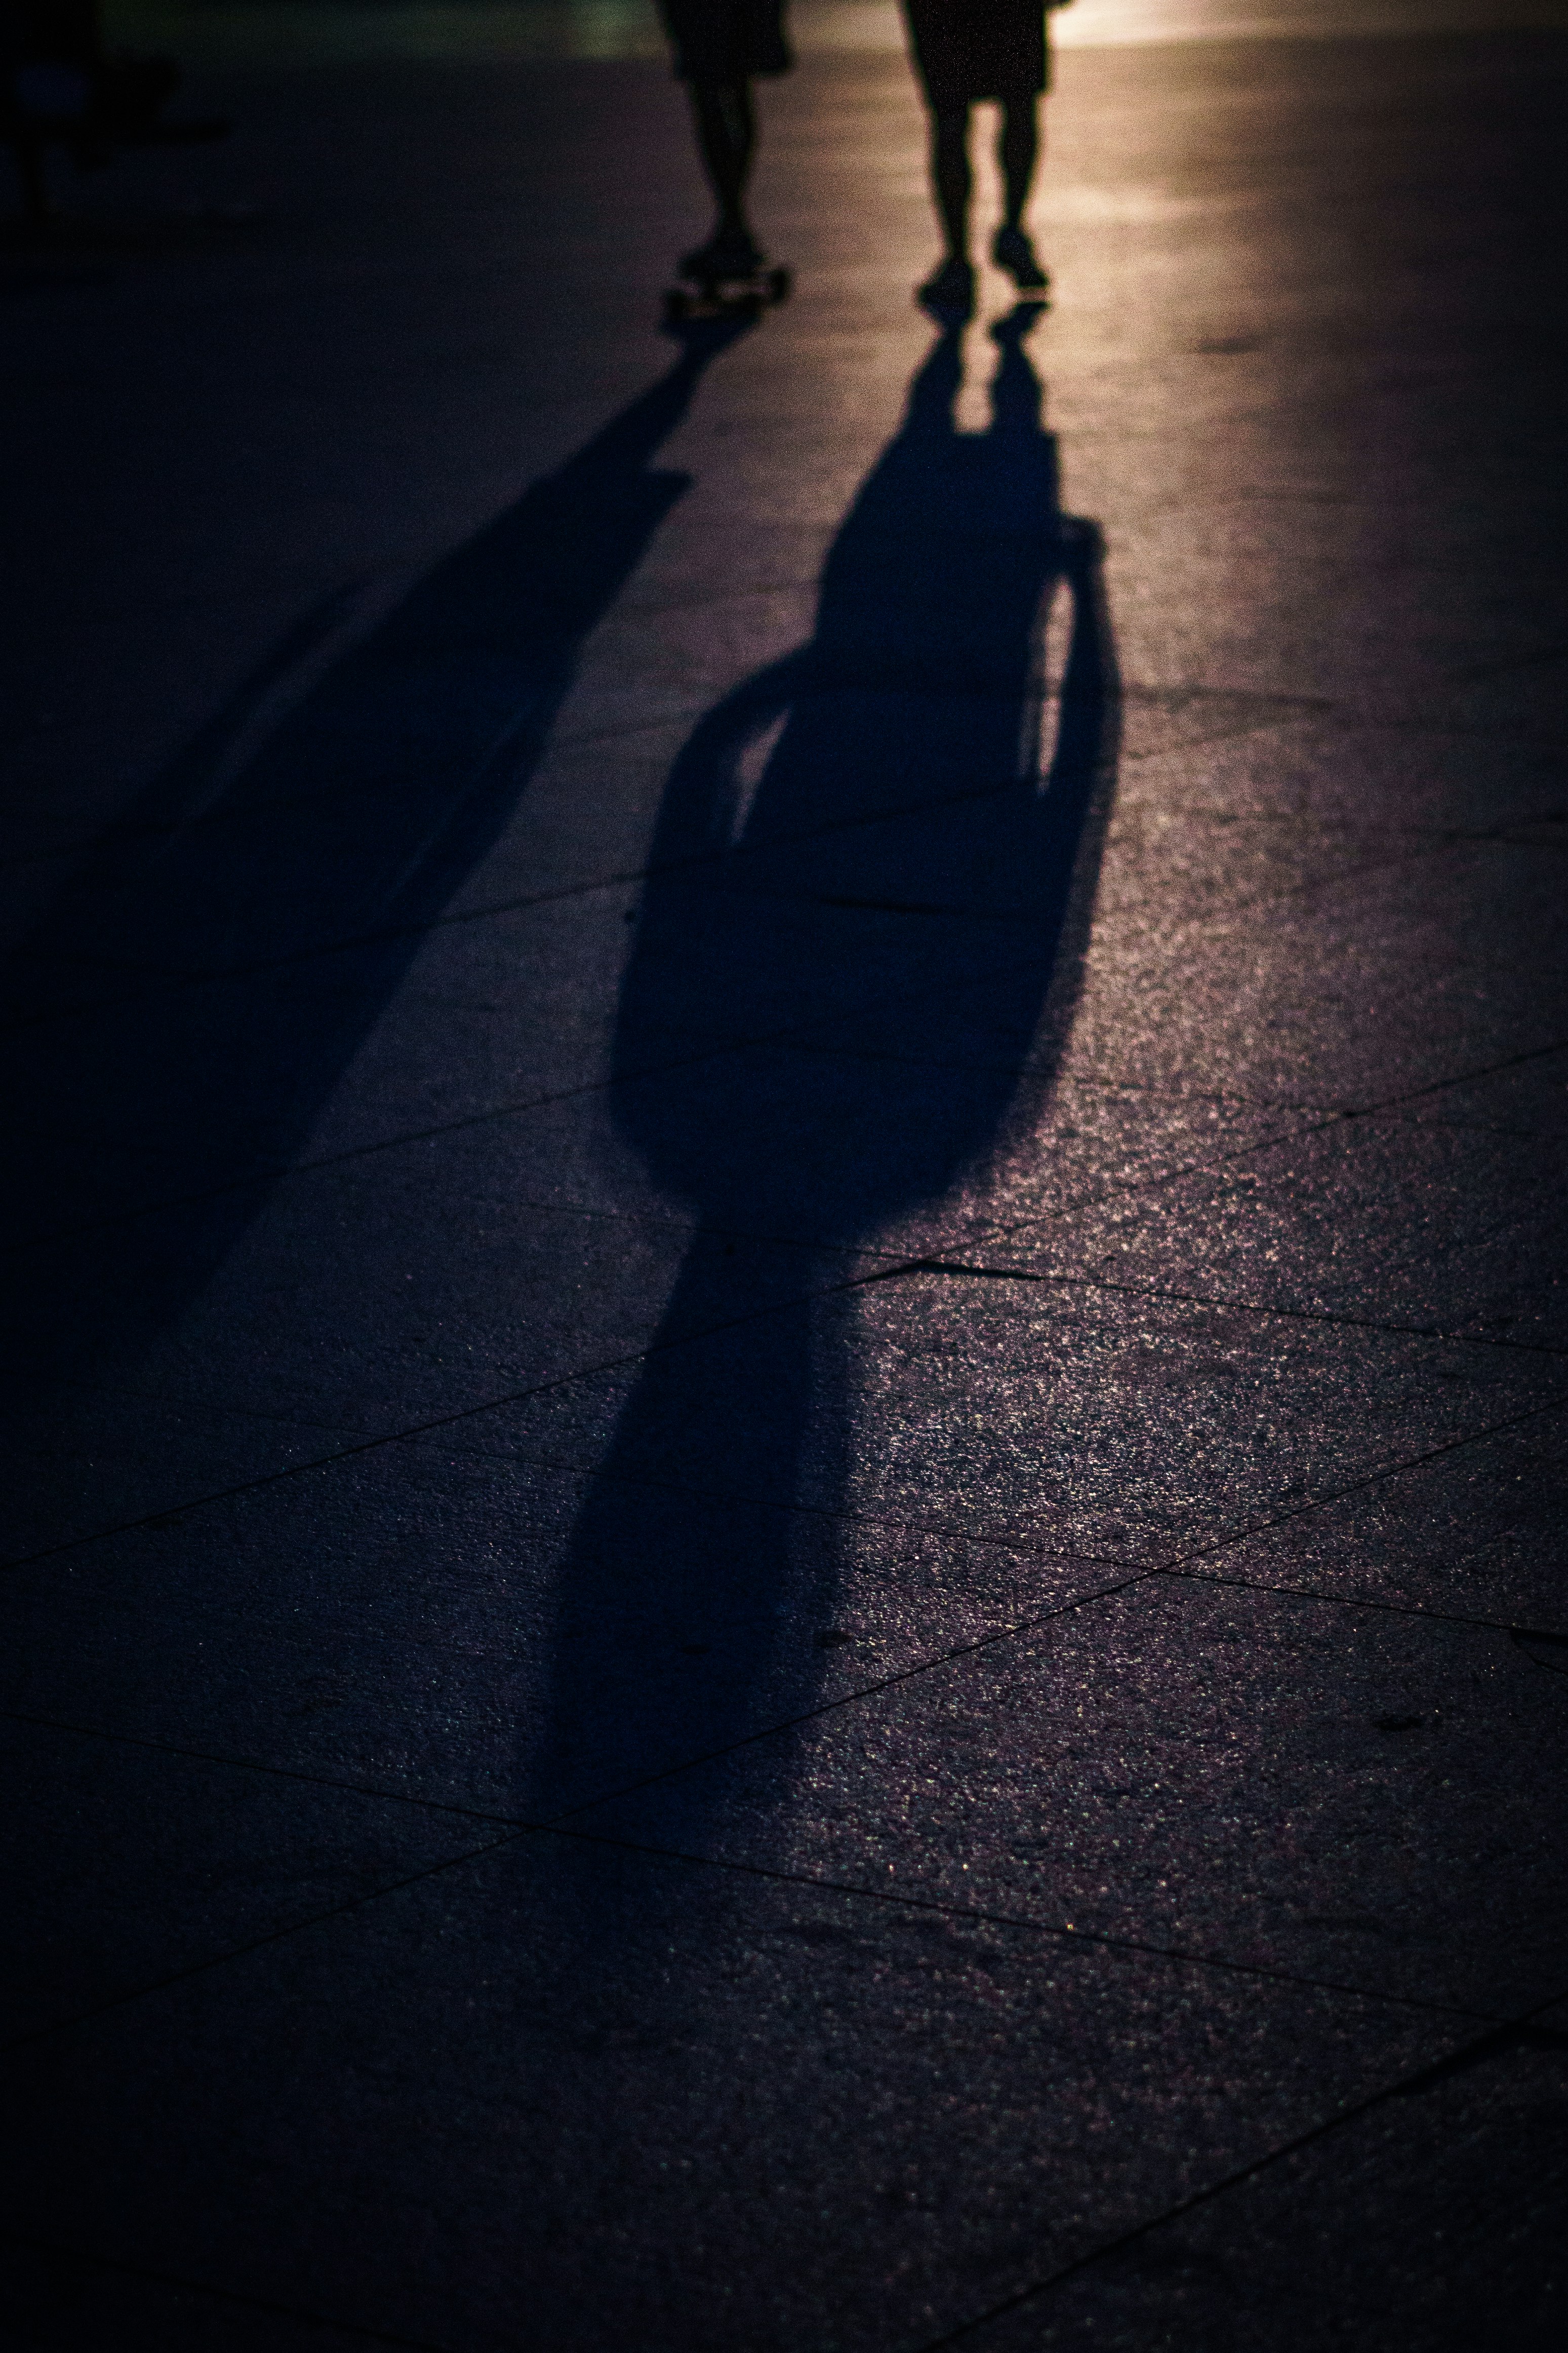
744, 294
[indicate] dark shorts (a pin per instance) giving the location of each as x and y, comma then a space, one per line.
967, 49
721, 42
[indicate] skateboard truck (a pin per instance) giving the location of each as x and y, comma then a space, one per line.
727, 294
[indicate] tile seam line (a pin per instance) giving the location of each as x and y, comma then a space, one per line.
518, 1824
591, 1372
1403, 856
1365, 1601
1416, 843
509, 1837
1316, 1123
525, 1107
372, 1792
1496, 2038
1321, 1115
1386, 1105
172, 980
274, 1177
111, 836
1358, 1486
518, 1832
1029, 1547
116, 835
1069, 1938
1283, 710
439, 1422
168, 981
1001, 1634
1123, 1578
864, 1692
896, 1266
1376, 1107
1049, 1556
222, 2294
1002, 1539
1220, 1306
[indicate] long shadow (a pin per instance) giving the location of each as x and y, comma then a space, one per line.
192, 998
702, 1591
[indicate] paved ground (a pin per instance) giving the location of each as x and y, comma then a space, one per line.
788, 1386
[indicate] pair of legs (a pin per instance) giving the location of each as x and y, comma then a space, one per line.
1017, 155
726, 123
950, 288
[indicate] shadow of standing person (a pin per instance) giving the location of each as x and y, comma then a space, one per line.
188, 1004
701, 1585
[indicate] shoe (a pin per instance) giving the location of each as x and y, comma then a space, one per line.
1011, 249
948, 294
730, 254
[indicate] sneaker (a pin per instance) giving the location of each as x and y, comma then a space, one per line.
1011, 249
948, 294
733, 253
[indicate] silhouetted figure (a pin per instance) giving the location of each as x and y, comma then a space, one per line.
720, 47
967, 50
60, 86
684, 1618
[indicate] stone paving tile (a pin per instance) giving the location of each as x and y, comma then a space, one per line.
1321, 438
1511, 1282
127, 1864
77, 1464
895, 1154
1477, 1532
1356, 995
619, 2100
1157, 861
1528, 1097
439, 1297
1441, 1229
1315, 769
1433, 2220
635, 675
58, 2298
1078, 1420
585, 819
1351, 1795
334, 1053
492, 1634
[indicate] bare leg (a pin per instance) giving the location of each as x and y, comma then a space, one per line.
727, 141
952, 180
1017, 153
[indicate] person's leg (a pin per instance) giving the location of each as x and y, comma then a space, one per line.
1018, 154
949, 292
952, 179
727, 140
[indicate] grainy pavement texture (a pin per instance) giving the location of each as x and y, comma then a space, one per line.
785, 1321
